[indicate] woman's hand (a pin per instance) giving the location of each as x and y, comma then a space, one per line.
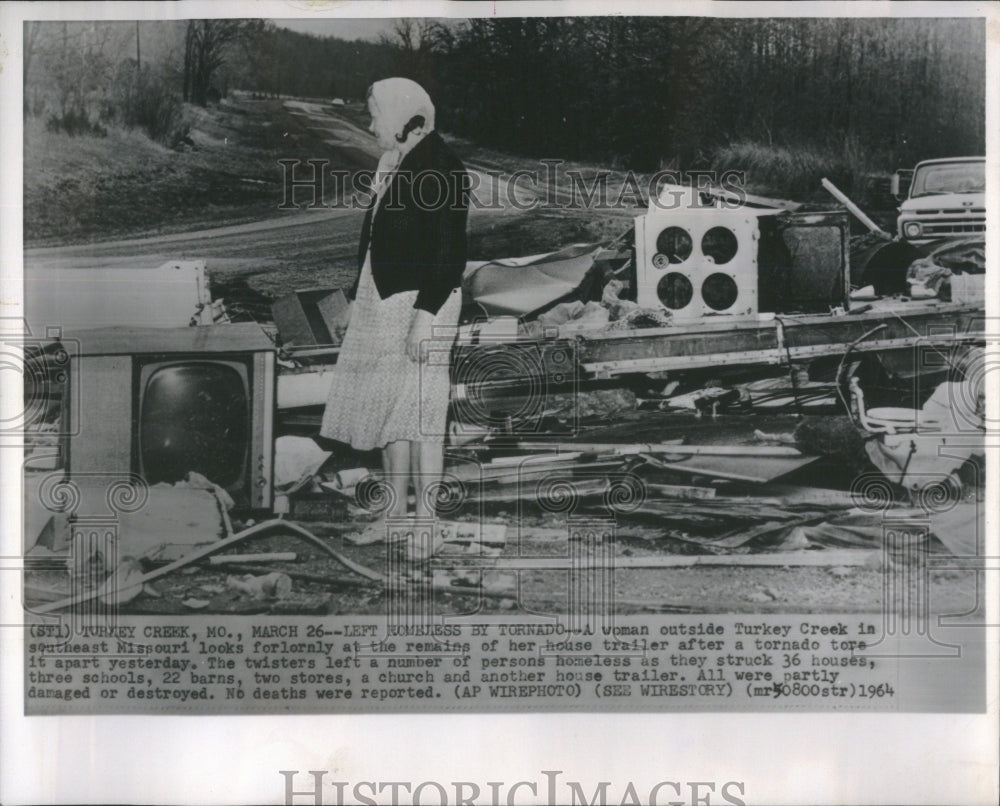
419, 335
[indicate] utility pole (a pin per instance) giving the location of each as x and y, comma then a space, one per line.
138, 60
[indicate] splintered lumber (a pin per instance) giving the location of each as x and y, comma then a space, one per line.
512, 474
744, 536
273, 556
756, 469
673, 448
499, 493
478, 591
715, 509
206, 551
793, 494
539, 458
681, 492
752, 200
856, 211
820, 558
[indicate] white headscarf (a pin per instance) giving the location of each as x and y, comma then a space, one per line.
399, 100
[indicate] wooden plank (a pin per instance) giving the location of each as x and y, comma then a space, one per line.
821, 558
500, 493
758, 470
793, 494
273, 556
169, 296
758, 343
681, 492
603, 369
477, 591
540, 458
720, 324
713, 509
512, 473
856, 211
743, 536
674, 448
238, 337
751, 199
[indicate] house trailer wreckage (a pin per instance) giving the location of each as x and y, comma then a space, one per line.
729, 383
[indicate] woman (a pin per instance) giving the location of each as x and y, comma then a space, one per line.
391, 383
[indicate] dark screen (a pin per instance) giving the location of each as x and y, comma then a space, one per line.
801, 267
194, 417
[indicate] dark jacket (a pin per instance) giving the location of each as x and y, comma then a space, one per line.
418, 237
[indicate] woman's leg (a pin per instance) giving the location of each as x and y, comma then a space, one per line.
428, 469
396, 464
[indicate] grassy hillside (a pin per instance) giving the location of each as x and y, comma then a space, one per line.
87, 189
82, 189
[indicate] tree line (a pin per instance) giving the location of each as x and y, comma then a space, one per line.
655, 92
635, 92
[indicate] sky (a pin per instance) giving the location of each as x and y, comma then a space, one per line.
340, 28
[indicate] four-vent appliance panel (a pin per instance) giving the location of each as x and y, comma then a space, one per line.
697, 264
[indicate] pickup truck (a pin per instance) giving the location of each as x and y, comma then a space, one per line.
947, 197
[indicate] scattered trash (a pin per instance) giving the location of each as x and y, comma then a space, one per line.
926, 278
345, 483
87, 560
125, 583
270, 586
296, 461
198, 554
961, 255
961, 528
520, 286
643, 318
969, 289
582, 315
312, 317
715, 503
196, 481
419, 545
684, 493
596, 403
345, 479
374, 532
483, 539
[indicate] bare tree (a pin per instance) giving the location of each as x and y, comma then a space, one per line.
410, 35
416, 41
206, 45
31, 32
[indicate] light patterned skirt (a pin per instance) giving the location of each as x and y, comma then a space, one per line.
377, 394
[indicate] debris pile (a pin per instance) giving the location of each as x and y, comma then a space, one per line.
765, 437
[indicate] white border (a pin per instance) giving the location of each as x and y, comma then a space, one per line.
850, 758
